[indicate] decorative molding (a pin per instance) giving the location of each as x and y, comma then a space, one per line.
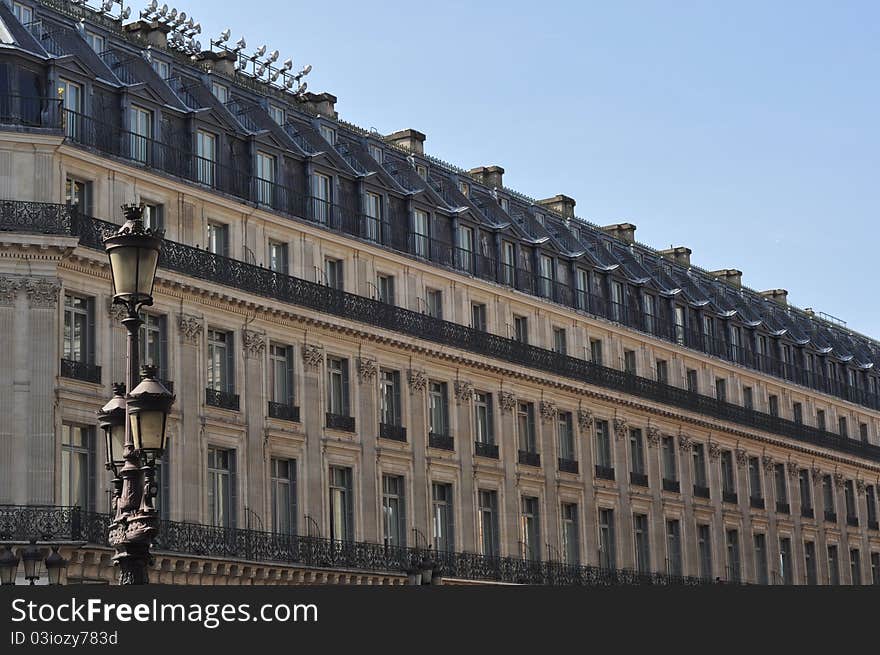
816, 473
548, 410
860, 485
190, 327
367, 369
742, 458
254, 343
9, 290
464, 391
793, 469
42, 292
620, 428
507, 401
116, 311
769, 463
654, 436
684, 443
313, 355
418, 380
585, 419
839, 479
714, 451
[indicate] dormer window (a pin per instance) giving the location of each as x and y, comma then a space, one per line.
376, 152
277, 114
220, 92
328, 133
96, 41
505, 204
464, 188
23, 13
162, 68
422, 171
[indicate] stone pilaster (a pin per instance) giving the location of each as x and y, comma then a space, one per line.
312, 414
368, 431
190, 389
10, 472
256, 456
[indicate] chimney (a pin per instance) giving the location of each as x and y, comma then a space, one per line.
323, 104
729, 275
679, 254
561, 204
409, 139
221, 62
777, 295
623, 231
488, 175
151, 32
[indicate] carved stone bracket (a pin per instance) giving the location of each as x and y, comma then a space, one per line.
769, 463
507, 401
620, 428
714, 451
367, 369
313, 355
548, 410
418, 381
9, 290
684, 443
860, 485
585, 419
464, 391
816, 473
839, 479
654, 436
116, 311
254, 343
190, 327
42, 292
742, 458
793, 469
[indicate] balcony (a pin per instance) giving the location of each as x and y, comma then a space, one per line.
82, 371
729, 497
529, 458
673, 486
441, 441
605, 472
339, 422
284, 412
852, 521
782, 507
392, 432
700, 491
568, 465
756, 502
873, 525
638, 479
807, 512
221, 399
830, 517
488, 450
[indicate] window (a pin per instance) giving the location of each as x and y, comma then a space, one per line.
565, 435
466, 248
616, 301
670, 469
422, 171
521, 329
162, 500
328, 133
281, 374
833, 566
218, 239
545, 276
505, 205
756, 489
284, 512
276, 113
206, 157
875, 568
699, 455
603, 445
820, 419
389, 397
373, 206
810, 562
421, 233
748, 398
842, 428
478, 316
680, 337
220, 92
773, 405
78, 194
733, 562
596, 351
761, 572
798, 413
337, 386
220, 361
265, 178
321, 197
629, 361
849, 495
570, 538
692, 385
650, 312
559, 341
728, 476
828, 498
375, 152
781, 488
444, 518
488, 509
531, 529
341, 504
863, 432
721, 389
507, 262
221, 487
333, 273
438, 409
153, 342
385, 288
637, 451
23, 13
78, 466
79, 329
141, 126
871, 501
855, 566
393, 511
607, 545
278, 257
673, 547
662, 371
704, 549
434, 303
154, 216
484, 429
785, 561
72, 101
640, 535
525, 418
162, 68
806, 492
465, 189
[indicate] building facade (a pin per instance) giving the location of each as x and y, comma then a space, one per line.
372, 347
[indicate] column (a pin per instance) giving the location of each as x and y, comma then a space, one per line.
625, 546
189, 386
312, 415
464, 395
255, 408
367, 422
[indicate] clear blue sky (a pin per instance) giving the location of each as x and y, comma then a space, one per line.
746, 131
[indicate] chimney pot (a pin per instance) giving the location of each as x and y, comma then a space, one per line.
729, 275
491, 176
323, 104
409, 139
623, 231
151, 32
777, 295
221, 62
561, 204
679, 254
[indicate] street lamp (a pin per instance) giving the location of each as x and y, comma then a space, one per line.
29, 557
8, 566
55, 566
134, 255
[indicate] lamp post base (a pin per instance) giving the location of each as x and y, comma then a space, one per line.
133, 562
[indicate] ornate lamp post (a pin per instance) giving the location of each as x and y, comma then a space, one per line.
134, 255
55, 566
8, 566
30, 557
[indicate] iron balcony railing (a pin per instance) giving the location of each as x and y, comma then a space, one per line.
488, 450
250, 278
604, 472
807, 512
441, 441
756, 502
673, 486
529, 458
339, 422
729, 497
50, 523
221, 399
284, 411
568, 465
852, 521
782, 507
392, 432
873, 525
84, 371
830, 516
701, 491
638, 479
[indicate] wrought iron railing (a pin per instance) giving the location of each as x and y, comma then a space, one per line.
831, 517
339, 422
85, 371
756, 502
489, 450
730, 497
392, 432
529, 458
250, 278
807, 512
568, 465
441, 441
701, 491
49, 523
783, 507
638, 479
284, 411
852, 521
673, 486
604, 472
221, 399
